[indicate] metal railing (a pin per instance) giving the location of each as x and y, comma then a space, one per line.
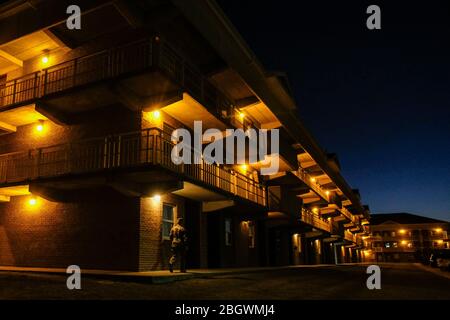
349, 236
306, 178
107, 64
129, 150
315, 220
346, 213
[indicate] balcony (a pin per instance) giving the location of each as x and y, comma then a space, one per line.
346, 216
315, 220
309, 181
349, 236
144, 69
131, 152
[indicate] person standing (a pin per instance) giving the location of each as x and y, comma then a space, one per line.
178, 239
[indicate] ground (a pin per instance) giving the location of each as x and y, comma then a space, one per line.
398, 281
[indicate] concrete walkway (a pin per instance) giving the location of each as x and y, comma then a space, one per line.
436, 271
162, 276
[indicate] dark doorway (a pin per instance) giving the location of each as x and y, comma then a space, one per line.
193, 224
214, 236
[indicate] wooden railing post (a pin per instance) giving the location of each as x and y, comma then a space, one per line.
45, 82
14, 92
36, 84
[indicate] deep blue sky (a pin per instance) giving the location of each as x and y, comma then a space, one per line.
380, 99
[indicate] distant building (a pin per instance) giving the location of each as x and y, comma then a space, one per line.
404, 237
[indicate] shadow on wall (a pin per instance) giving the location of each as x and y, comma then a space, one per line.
7, 257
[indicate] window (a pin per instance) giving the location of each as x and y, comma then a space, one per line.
393, 234
167, 220
228, 232
251, 234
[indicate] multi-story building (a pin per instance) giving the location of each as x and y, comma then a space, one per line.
86, 117
404, 237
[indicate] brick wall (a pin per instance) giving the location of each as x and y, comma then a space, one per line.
100, 232
154, 251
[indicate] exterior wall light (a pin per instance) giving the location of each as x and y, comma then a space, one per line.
315, 210
156, 198
438, 230
156, 115
32, 201
241, 116
40, 126
45, 58
313, 179
402, 231
244, 168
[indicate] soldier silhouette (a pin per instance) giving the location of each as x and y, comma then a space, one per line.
178, 240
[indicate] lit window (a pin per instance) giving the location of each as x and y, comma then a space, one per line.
228, 232
393, 234
167, 220
251, 234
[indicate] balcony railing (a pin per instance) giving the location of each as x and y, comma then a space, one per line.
346, 213
307, 179
349, 236
315, 220
112, 63
149, 146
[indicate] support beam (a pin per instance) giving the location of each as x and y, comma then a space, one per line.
4, 198
11, 58
209, 206
7, 127
59, 39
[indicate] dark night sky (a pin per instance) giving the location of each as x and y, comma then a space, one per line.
380, 99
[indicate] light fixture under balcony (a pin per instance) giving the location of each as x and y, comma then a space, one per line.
156, 198
32, 201
313, 179
40, 126
156, 114
45, 57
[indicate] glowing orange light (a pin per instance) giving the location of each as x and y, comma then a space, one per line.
244, 167
45, 59
156, 114
32, 201
313, 179
156, 198
402, 231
